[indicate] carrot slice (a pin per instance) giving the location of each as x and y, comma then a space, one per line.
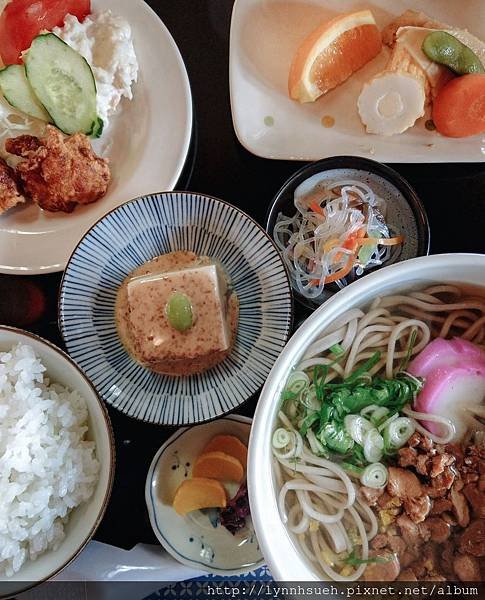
351, 243
381, 241
459, 108
341, 273
317, 209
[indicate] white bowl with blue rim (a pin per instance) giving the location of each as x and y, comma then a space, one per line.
198, 539
133, 234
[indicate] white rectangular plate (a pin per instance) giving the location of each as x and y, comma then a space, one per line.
264, 37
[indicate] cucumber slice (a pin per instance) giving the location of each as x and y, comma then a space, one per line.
18, 93
63, 81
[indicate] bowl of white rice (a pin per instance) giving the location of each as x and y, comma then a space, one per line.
57, 460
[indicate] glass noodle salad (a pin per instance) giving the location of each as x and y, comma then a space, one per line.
339, 230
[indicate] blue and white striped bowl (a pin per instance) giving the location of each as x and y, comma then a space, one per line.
131, 235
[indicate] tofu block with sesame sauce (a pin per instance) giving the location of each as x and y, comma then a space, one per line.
182, 322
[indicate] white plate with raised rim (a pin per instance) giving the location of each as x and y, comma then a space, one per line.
192, 539
147, 143
280, 549
264, 37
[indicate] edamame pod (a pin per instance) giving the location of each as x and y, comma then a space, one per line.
445, 49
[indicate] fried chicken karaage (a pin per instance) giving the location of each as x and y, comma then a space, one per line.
10, 194
60, 172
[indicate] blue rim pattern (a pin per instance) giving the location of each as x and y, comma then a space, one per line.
137, 232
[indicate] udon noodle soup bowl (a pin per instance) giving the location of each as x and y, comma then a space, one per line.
280, 547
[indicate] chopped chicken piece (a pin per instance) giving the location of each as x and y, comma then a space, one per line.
472, 540
467, 568
10, 194
408, 457
476, 498
441, 483
407, 575
441, 505
403, 483
460, 507
410, 531
382, 571
414, 440
456, 451
439, 462
380, 541
422, 464
397, 544
370, 495
439, 530
417, 508
386, 501
60, 172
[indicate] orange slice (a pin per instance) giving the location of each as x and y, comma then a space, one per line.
218, 465
331, 53
197, 493
229, 444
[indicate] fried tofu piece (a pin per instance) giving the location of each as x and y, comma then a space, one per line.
60, 172
409, 18
10, 194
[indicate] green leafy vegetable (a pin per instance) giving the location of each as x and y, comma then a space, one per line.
352, 469
308, 422
321, 408
412, 342
354, 561
337, 350
335, 437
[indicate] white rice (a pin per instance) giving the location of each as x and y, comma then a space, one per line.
46, 466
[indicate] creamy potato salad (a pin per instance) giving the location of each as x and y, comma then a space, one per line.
105, 40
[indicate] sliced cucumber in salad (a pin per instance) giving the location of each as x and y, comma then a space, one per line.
19, 94
64, 83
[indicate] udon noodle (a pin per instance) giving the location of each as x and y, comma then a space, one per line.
318, 499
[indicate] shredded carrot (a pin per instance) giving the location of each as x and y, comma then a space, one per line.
329, 245
352, 242
381, 241
341, 273
317, 209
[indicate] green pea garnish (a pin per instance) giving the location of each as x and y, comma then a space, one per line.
445, 49
179, 311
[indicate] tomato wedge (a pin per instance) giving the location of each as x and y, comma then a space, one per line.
22, 20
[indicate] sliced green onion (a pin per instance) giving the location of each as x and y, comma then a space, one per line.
373, 446
369, 409
378, 415
337, 350
309, 398
388, 421
354, 561
297, 382
308, 421
374, 476
362, 371
352, 469
399, 432
281, 438
412, 342
357, 427
316, 446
